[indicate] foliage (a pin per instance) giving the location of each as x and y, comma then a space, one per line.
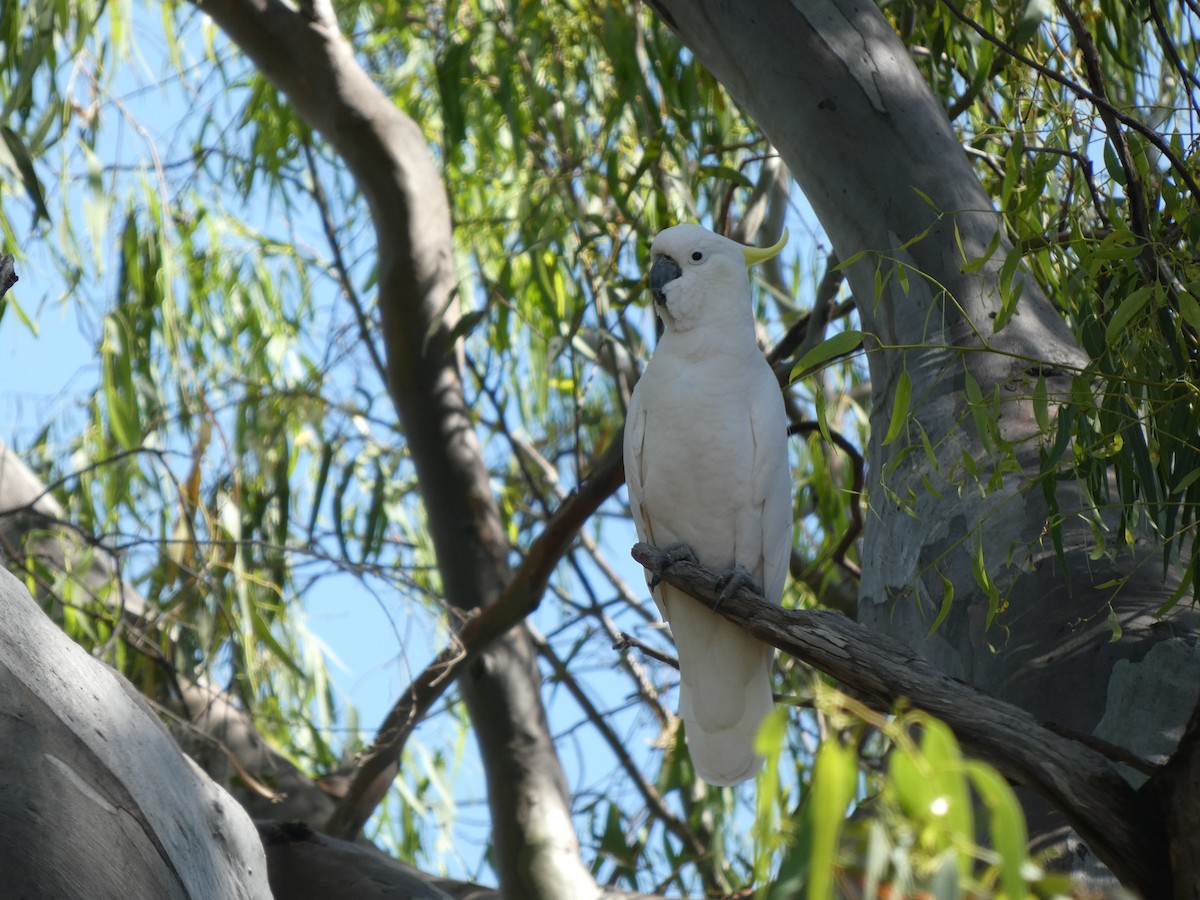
234, 444
905, 822
1100, 199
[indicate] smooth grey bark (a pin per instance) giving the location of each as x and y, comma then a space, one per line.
302, 52
96, 800
834, 90
218, 735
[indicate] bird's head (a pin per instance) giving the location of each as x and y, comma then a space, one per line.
699, 278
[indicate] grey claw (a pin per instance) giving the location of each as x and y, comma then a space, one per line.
667, 557
737, 577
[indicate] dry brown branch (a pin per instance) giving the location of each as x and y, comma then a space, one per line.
524, 593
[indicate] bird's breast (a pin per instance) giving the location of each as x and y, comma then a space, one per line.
697, 454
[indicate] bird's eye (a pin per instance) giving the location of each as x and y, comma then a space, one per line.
697, 256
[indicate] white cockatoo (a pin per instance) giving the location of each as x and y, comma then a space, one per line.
706, 461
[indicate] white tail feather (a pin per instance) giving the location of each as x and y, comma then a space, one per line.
725, 689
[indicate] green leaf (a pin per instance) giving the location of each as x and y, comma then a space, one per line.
1129, 307
947, 600
1113, 164
262, 631
900, 406
727, 173
15, 155
838, 345
9, 301
1187, 480
1119, 244
984, 580
820, 404
1189, 309
451, 75
835, 775
1008, 296
117, 377
846, 263
1031, 18
985, 426
1007, 825
977, 263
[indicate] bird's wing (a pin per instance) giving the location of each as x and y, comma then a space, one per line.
772, 481
762, 521
635, 434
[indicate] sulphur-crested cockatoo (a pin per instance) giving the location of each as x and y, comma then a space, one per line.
706, 462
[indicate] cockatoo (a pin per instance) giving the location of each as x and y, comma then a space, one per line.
706, 462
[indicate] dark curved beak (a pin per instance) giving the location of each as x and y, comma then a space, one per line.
663, 272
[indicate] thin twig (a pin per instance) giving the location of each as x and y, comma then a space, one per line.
1134, 189
366, 328
1141, 128
653, 799
628, 640
1185, 71
375, 769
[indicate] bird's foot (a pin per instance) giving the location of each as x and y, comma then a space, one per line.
737, 577
666, 557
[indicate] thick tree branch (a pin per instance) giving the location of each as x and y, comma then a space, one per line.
1119, 825
98, 801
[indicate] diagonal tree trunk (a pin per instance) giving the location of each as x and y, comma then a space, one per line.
302, 52
835, 91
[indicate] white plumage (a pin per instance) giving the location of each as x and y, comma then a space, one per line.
706, 463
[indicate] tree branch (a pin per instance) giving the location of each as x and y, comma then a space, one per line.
524, 593
1180, 167
1118, 824
654, 801
1134, 190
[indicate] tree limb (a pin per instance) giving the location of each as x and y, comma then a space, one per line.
1118, 824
